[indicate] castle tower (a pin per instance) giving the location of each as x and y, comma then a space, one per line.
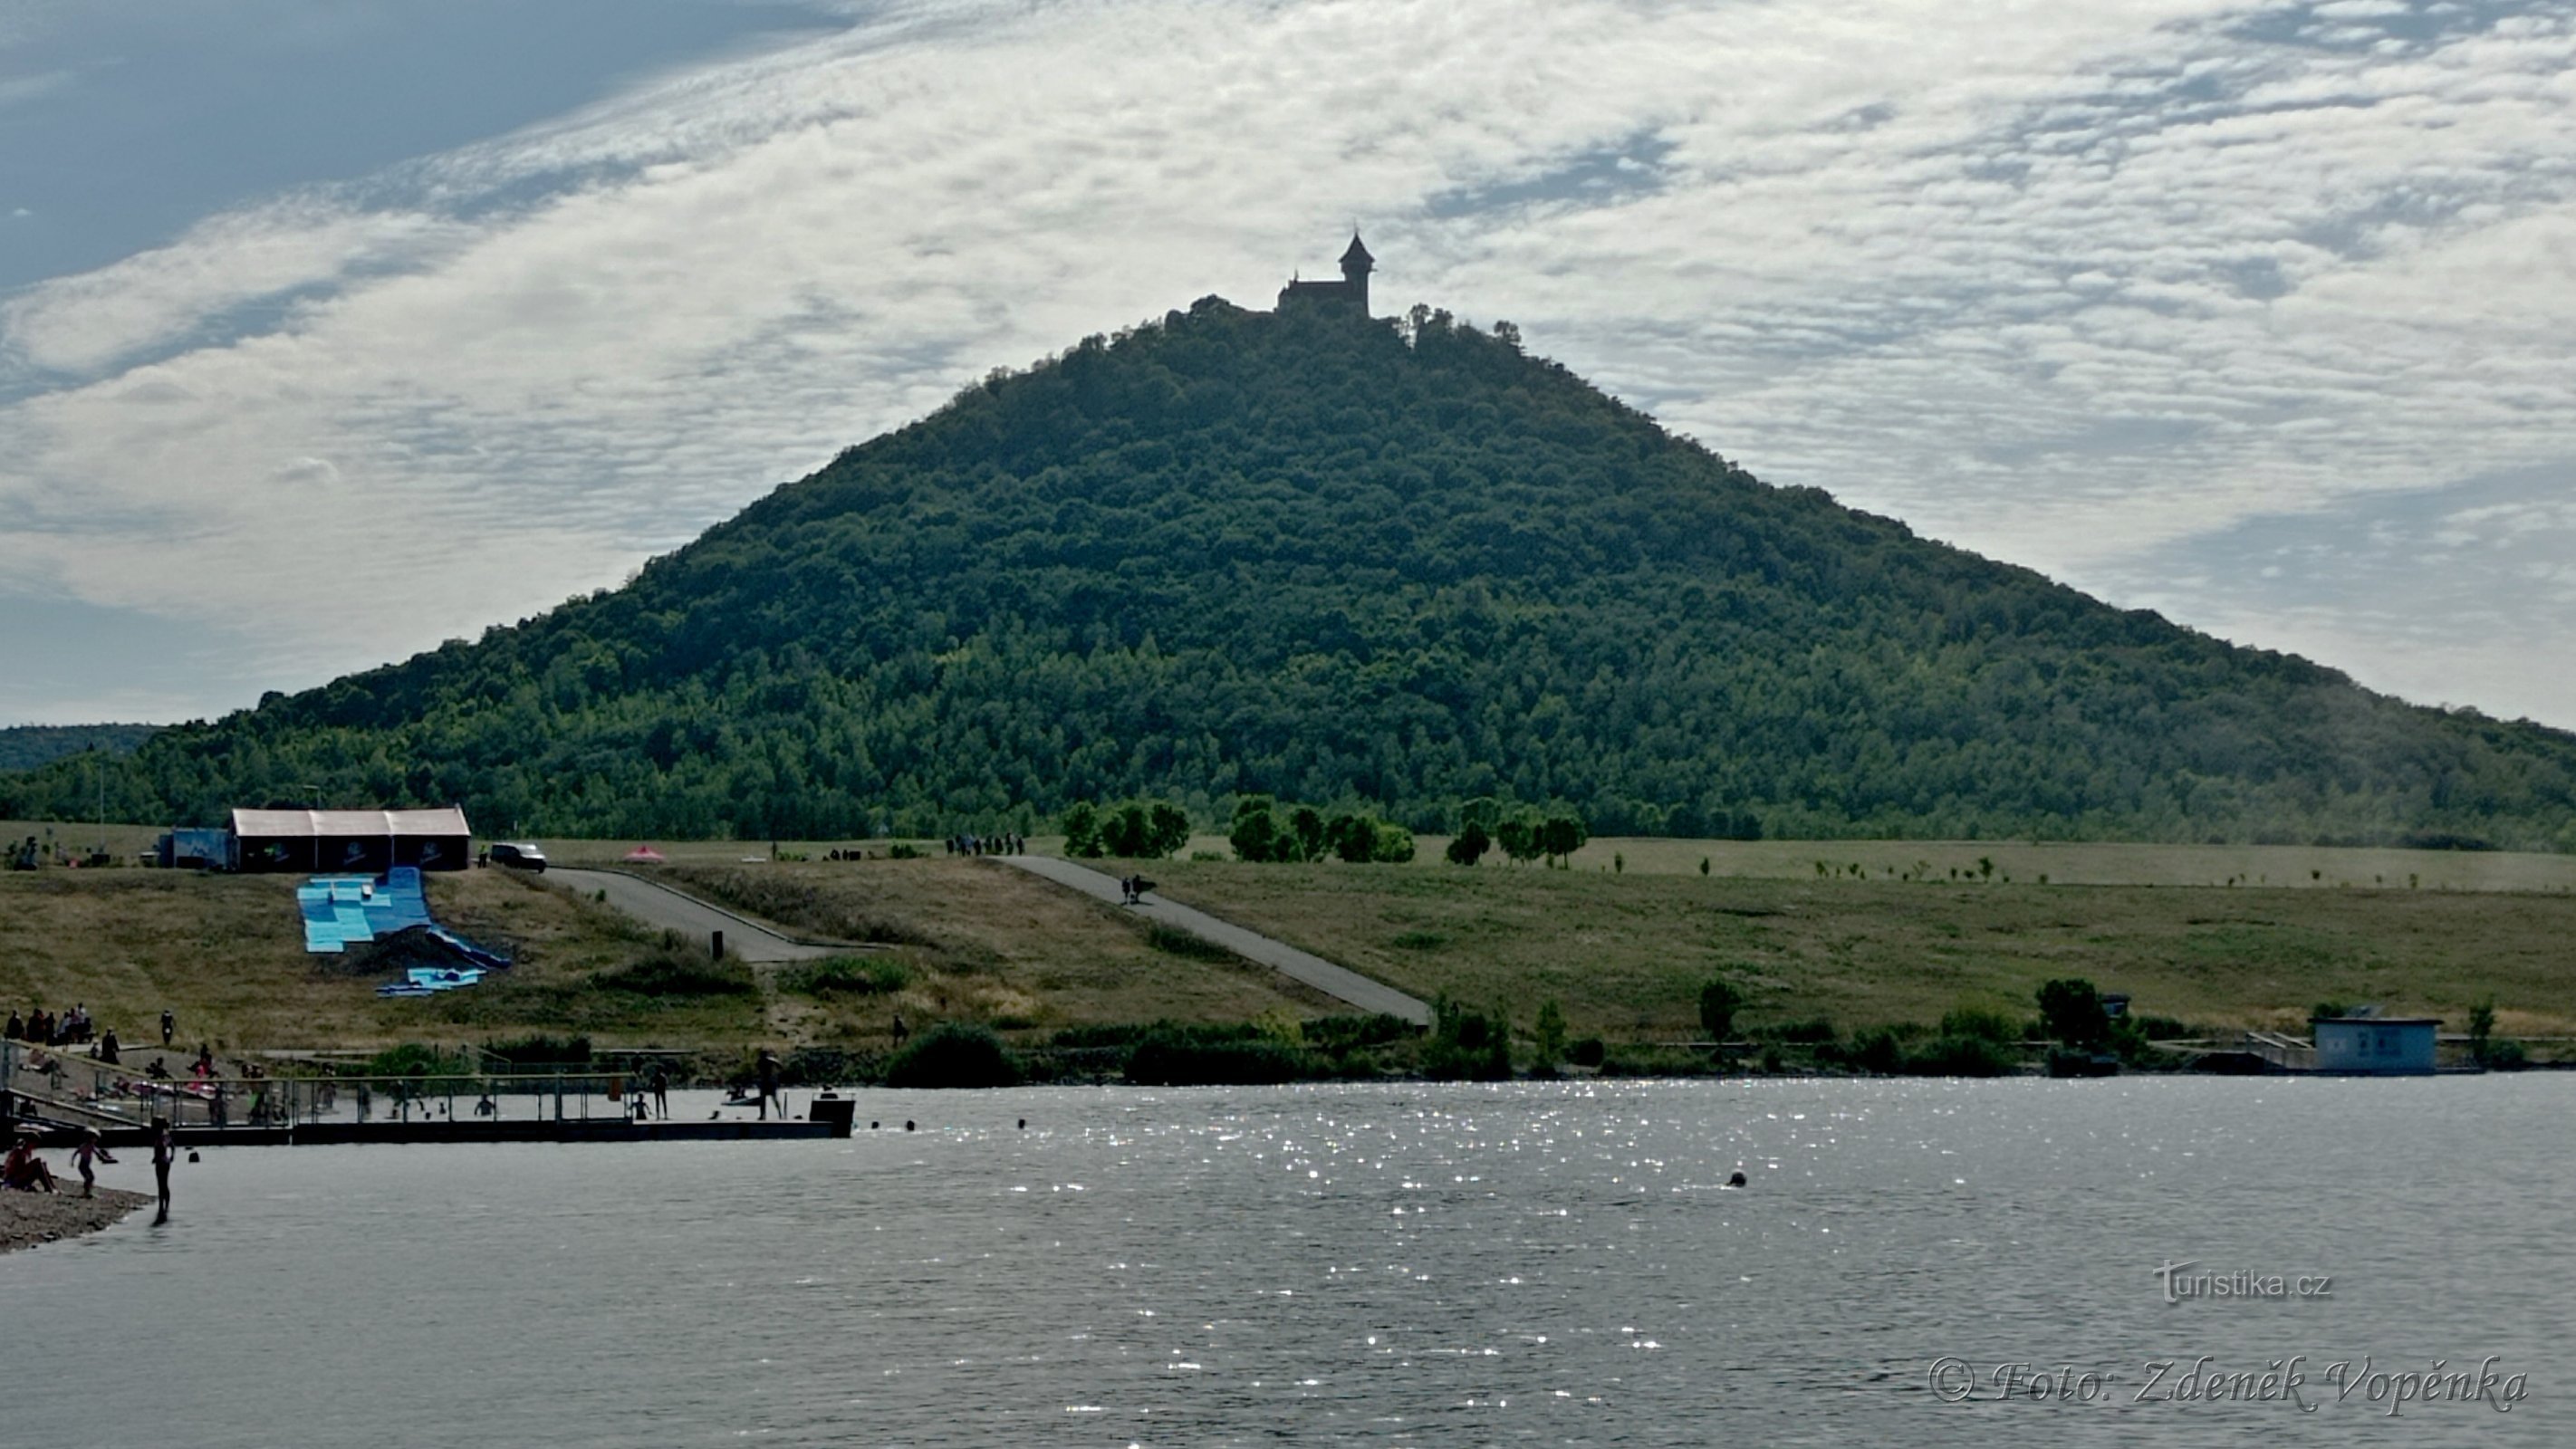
1351, 291
1356, 266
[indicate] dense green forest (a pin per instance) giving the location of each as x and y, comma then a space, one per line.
23, 747
1382, 565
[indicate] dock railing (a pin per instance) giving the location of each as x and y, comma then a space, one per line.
86, 1091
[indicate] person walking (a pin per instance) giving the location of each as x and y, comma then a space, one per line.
164, 1152
768, 1071
89, 1151
169, 1028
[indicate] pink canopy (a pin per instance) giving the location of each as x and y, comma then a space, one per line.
644, 854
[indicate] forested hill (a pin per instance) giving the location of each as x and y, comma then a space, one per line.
1341, 561
27, 746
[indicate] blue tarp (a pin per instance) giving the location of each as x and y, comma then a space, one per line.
339, 909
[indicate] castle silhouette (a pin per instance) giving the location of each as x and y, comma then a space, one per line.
1351, 291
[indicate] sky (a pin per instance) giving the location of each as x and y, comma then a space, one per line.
334, 329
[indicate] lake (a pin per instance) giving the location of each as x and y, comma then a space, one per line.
1435, 1265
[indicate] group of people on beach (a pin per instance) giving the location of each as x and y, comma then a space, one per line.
1004, 844
24, 1170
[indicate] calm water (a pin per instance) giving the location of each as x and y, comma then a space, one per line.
1422, 1265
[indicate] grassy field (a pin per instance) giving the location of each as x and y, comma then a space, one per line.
973, 940
2301, 867
2229, 936
226, 954
983, 942
1627, 954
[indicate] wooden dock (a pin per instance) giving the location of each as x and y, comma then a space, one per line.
62, 1123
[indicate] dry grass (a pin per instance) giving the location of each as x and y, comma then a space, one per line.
1626, 954
2026, 862
985, 942
226, 954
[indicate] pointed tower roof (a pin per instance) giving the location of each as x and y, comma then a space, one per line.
1357, 253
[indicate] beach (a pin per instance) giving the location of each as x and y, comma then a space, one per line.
29, 1219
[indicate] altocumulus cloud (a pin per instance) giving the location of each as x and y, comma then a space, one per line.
2197, 305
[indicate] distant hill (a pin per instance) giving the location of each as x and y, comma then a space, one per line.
23, 747
1341, 560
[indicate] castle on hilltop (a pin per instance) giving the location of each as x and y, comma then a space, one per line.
1351, 291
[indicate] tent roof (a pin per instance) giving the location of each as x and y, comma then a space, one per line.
315, 824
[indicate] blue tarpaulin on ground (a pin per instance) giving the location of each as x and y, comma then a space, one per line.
339, 909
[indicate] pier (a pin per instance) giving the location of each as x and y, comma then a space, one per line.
61, 1095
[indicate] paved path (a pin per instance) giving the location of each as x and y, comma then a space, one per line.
1305, 966
659, 905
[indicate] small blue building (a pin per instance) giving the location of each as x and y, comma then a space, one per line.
2376, 1045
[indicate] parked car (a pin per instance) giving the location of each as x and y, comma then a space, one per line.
516, 857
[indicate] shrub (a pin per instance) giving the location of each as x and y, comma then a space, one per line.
1469, 845
901, 851
677, 974
1660, 1061
1981, 1024
1814, 1029
1550, 1033
1132, 830
1176, 1057
846, 976
1419, 941
1588, 1052
954, 1055
1467, 1045
2071, 1011
1963, 1056
1351, 1033
1718, 1001
1876, 1050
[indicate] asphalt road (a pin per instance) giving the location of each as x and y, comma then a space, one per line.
1335, 981
659, 905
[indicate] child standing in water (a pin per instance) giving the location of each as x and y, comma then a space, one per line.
164, 1152
90, 1151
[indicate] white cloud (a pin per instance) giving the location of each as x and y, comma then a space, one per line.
2074, 285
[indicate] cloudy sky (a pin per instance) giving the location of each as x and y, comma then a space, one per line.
330, 329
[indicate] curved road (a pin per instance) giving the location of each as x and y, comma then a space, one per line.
659, 905
1336, 981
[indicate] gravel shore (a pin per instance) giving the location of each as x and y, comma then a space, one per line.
28, 1219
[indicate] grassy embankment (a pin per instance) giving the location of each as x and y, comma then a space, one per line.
977, 941
226, 955
1627, 953
962, 940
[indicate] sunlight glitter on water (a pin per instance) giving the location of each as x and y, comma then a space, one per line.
1341, 1263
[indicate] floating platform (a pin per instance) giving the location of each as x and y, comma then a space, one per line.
829, 1116
346, 1134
